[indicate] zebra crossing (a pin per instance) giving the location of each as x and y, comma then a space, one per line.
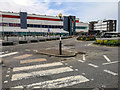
38, 70
54, 83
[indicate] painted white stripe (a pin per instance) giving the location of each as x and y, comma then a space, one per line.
92, 65
110, 72
110, 63
27, 50
40, 73
7, 75
81, 61
8, 71
36, 66
106, 58
5, 81
84, 57
2, 52
35, 50
58, 83
8, 54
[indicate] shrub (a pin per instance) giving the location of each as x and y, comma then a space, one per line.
105, 42
85, 38
100, 41
108, 42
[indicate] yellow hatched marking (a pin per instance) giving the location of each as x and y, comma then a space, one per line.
33, 60
23, 56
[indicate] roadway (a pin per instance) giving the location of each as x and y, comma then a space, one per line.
26, 69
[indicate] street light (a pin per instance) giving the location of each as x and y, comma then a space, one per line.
60, 43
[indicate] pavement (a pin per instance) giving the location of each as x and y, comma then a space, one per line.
97, 68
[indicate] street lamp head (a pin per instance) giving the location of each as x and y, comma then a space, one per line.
60, 15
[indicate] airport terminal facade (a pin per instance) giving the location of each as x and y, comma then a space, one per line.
32, 24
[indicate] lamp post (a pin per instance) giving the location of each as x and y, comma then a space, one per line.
60, 43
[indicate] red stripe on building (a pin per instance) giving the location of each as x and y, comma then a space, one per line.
10, 16
40, 18
35, 18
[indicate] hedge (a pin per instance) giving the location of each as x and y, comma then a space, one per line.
86, 38
108, 42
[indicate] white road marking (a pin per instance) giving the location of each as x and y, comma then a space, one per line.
8, 71
33, 60
23, 56
27, 49
58, 83
90, 64
35, 50
106, 58
110, 63
5, 81
2, 52
66, 64
71, 66
8, 54
6, 51
81, 61
36, 66
84, 57
7, 75
92, 79
110, 72
40, 73
9, 68
76, 69
83, 73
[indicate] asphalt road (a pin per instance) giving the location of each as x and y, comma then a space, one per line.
26, 69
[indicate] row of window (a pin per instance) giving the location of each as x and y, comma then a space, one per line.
10, 24
44, 26
30, 25
36, 25
81, 27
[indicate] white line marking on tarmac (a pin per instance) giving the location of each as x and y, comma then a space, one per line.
36, 66
23, 56
66, 64
110, 72
40, 73
27, 50
58, 83
106, 58
83, 73
35, 50
33, 60
110, 63
2, 52
90, 64
8, 54
5, 81
84, 57
8, 71
76, 69
7, 75
81, 61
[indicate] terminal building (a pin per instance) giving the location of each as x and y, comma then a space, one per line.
102, 26
24, 24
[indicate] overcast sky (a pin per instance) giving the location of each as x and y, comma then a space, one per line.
86, 11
